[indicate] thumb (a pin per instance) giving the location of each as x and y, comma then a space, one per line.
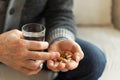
17, 33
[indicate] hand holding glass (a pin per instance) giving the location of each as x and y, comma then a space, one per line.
34, 31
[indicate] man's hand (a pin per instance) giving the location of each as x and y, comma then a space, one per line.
22, 54
61, 46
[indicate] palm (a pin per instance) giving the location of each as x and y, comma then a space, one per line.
65, 45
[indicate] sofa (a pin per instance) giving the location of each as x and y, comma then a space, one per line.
98, 22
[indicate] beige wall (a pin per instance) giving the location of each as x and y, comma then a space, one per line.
92, 11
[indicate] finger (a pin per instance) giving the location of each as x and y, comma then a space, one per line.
32, 64
42, 55
37, 45
61, 66
52, 65
77, 56
25, 70
29, 71
41, 65
71, 65
17, 32
78, 53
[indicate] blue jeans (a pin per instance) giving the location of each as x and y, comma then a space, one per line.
90, 68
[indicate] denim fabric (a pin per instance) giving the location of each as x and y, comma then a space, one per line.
90, 68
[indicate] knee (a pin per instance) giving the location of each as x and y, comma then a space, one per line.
97, 66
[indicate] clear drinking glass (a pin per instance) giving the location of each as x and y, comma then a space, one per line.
34, 31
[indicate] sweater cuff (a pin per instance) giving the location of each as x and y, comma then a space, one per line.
59, 38
60, 32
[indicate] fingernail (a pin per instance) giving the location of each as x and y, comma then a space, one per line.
56, 54
78, 58
41, 65
46, 43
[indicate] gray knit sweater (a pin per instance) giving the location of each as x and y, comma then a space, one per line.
56, 15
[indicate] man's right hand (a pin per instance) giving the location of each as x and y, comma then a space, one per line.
22, 54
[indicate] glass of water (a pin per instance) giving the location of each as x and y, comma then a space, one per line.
34, 31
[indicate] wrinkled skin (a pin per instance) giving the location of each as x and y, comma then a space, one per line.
65, 45
21, 54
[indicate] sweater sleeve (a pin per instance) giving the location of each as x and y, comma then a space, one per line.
59, 20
